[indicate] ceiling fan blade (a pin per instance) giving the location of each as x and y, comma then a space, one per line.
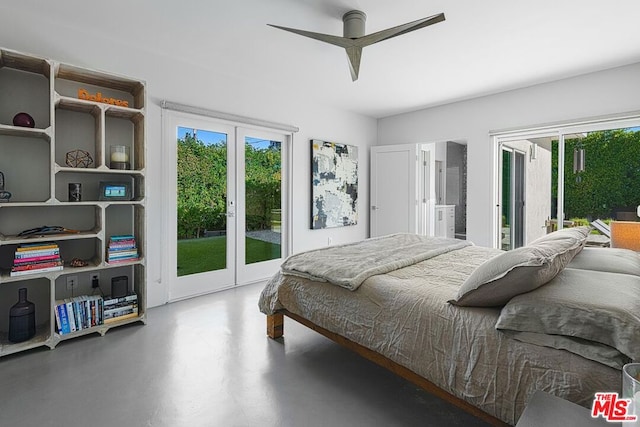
354, 54
327, 38
379, 36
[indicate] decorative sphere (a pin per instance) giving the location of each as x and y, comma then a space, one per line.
24, 120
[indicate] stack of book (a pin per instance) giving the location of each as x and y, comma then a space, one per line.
116, 309
78, 313
36, 258
122, 249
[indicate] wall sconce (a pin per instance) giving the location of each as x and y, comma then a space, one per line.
533, 151
625, 234
578, 160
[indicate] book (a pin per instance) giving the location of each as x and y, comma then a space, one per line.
78, 312
118, 306
119, 318
41, 270
111, 301
71, 315
121, 313
114, 311
126, 242
122, 237
36, 266
117, 254
19, 261
61, 312
122, 248
56, 314
123, 260
36, 246
42, 252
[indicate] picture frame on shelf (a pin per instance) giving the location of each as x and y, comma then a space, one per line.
115, 191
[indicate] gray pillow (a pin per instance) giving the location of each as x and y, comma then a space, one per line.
578, 233
612, 260
593, 305
591, 350
521, 270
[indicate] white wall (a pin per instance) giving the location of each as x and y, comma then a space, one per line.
187, 83
607, 92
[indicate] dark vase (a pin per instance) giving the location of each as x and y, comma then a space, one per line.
22, 318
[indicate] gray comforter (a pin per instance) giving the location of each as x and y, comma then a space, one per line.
351, 264
404, 315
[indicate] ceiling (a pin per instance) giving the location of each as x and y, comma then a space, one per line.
483, 47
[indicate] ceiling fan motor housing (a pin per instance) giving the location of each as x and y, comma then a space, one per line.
354, 22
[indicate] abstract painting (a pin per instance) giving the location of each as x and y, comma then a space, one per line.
334, 184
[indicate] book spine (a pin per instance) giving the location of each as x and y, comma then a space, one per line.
45, 252
36, 266
71, 316
40, 270
94, 312
123, 253
119, 306
118, 243
122, 237
121, 313
36, 246
79, 315
123, 260
56, 313
35, 259
123, 317
64, 318
111, 301
111, 311
122, 249
100, 311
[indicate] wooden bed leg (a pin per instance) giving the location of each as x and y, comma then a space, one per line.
275, 325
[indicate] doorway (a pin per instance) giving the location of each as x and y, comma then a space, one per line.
227, 223
512, 198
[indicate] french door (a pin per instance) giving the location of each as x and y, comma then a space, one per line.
226, 204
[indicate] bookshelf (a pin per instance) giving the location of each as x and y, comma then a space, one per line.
74, 109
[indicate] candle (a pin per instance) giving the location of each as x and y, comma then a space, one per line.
119, 157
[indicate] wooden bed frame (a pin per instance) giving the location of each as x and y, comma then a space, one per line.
275, 329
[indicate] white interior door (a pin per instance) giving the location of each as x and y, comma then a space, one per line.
226, 215
394, 182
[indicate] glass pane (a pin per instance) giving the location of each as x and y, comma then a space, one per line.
202, 201
602, 177
263, 185
506, 201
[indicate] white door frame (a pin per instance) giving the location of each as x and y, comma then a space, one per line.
556, 131
252, 273
207, 282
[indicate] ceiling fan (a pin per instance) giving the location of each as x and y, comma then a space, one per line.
354, 39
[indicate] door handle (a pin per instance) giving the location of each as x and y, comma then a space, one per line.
374, 208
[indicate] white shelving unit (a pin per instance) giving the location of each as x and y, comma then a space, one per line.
33, 163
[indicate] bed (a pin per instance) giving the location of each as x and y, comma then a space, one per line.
479, 327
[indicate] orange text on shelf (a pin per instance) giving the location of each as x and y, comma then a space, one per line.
84, 94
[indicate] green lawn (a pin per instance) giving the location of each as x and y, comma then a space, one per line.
208, 253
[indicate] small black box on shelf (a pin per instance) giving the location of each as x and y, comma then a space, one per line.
119, 286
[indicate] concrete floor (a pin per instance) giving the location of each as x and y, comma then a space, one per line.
207, 362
